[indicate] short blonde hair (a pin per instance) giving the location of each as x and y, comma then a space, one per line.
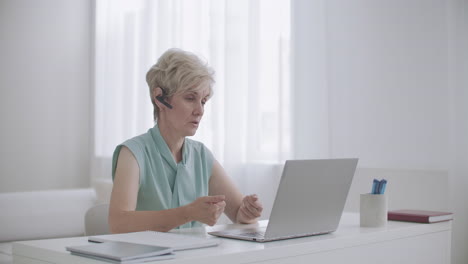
178, 71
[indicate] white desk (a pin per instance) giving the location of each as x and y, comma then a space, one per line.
399, 242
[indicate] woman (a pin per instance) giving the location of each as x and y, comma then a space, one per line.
162, 180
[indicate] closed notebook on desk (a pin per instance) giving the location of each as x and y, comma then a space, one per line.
121, 252
419, 216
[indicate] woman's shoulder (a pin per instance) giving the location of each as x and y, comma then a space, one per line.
196, 146
143, 138
138, 142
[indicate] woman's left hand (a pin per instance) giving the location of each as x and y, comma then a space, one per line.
250, 209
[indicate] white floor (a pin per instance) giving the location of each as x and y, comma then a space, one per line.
5, 253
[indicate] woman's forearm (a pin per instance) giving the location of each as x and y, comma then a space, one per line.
134, 221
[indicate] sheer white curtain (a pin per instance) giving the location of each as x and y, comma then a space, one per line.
245, 41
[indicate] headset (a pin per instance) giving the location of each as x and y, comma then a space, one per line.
161, 98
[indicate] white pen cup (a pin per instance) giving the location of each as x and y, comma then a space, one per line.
373, 210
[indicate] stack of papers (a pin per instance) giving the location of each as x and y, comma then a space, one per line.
174, 241
122, 252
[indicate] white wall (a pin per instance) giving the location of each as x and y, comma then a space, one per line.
387, 78
371, 79
388, 81
44, 94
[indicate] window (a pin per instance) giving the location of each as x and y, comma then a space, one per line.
247, 44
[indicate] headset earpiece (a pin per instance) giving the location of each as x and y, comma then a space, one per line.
160, 98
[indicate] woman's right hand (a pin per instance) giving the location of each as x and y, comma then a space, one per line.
207, 209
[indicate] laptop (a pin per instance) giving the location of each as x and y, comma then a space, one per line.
309, 201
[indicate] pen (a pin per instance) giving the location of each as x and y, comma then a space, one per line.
375, 184
378, 187
383, 185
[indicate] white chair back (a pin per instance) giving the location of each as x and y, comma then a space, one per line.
96, 220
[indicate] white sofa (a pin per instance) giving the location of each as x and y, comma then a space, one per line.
46, 214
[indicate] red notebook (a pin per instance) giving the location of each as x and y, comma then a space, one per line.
419, 216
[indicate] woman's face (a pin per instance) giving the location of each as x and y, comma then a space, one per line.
187, 110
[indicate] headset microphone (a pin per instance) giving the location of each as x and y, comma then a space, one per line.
161, 99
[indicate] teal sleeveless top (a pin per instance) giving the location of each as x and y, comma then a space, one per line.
164, 184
